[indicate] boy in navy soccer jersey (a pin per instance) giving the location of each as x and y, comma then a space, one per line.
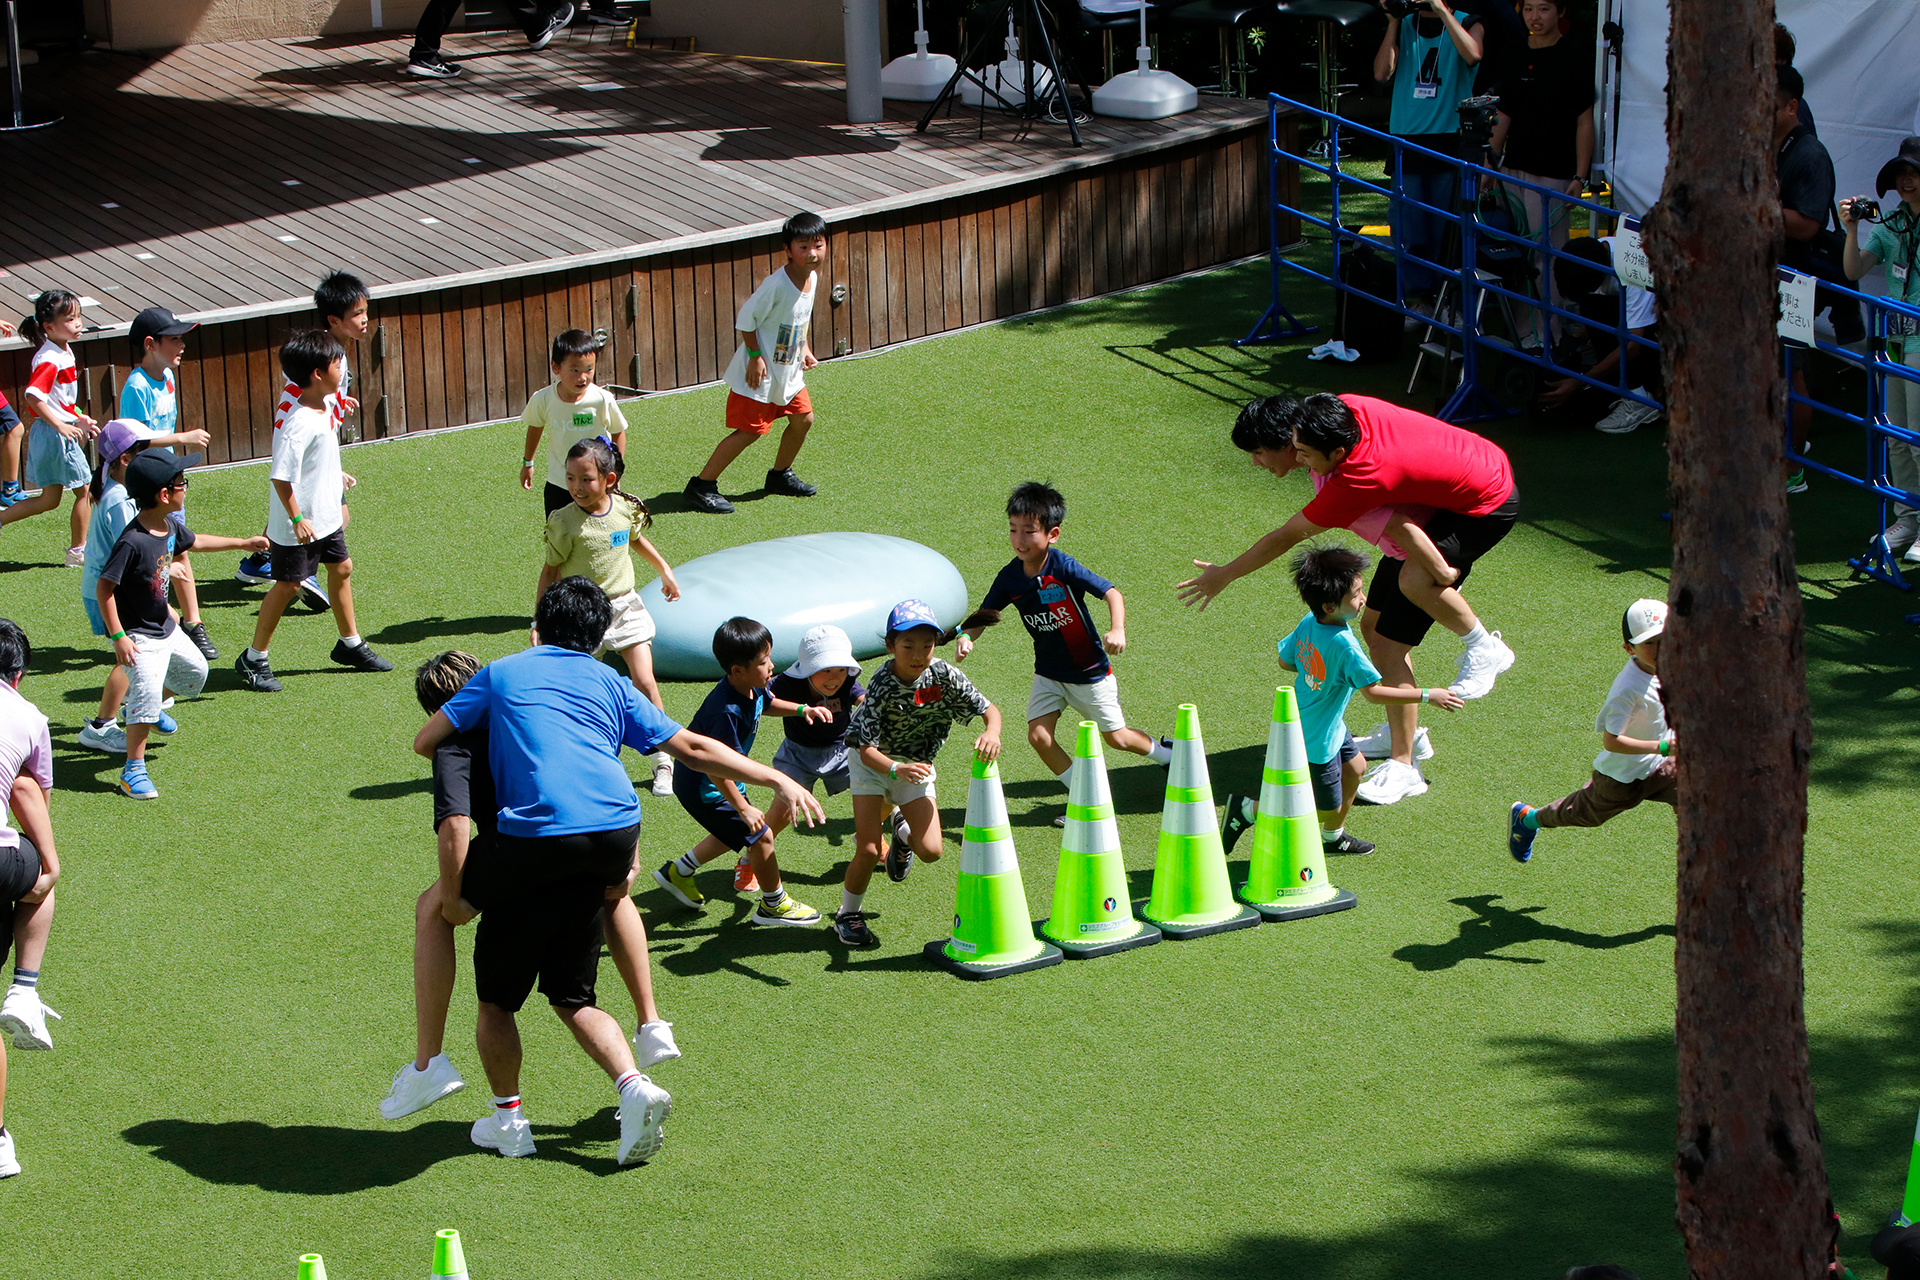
1070, 667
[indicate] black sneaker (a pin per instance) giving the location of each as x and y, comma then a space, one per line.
705, 496
360, 657
1349, 845
197, 632
604, 15
788, 485
429, 65
1237, 822
899, 853
549, 23
1060, 819
851, 928
256, 674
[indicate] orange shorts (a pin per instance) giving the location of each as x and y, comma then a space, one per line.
757, 416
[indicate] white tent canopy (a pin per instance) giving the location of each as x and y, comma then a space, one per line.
1861, 61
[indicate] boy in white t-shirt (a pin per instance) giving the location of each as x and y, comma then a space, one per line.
767, 379
568, 411
306, 511
1636, 760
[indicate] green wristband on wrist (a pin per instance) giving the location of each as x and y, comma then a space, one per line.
118, 635
753, 353
526, 462
1666, 747
893, 770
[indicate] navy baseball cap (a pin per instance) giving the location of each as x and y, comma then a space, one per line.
157, 322
152, 470
909, 614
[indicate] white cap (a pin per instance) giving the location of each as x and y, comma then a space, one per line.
1645, 619
822, 647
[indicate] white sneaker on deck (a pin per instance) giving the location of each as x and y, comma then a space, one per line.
663, 774
22, 1014
417, 1090
1378, 743
9, 1162
1390, 782
511, 1136
1480, 665
653, 1044
644, 1108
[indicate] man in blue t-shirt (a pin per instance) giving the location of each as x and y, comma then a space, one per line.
569, 822
1430, 58
1049, 588
1328, 666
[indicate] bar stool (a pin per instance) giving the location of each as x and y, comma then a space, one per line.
1228, 17
1330, 17
1109, 16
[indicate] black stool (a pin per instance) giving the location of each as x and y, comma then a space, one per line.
1128, 19
1331, 17
1228, 18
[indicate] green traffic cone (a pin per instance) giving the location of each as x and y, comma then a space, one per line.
1287, 874
1092, 915
449, 1261
1191, 897
992, 933
311, 1267
1910, 1202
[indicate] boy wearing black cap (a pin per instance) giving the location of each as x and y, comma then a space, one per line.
159, 657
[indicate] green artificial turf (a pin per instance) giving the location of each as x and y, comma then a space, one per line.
1470, 1075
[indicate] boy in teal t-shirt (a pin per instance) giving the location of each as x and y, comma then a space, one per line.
1328, 666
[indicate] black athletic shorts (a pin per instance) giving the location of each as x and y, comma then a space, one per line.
551, 937
1326, 778
483, 879
557, 499
19, 872
1461, 540
298, 562
723, 822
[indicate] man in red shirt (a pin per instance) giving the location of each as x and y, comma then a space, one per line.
1371, 455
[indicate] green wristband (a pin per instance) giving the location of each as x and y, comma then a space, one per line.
118, 635
753, 353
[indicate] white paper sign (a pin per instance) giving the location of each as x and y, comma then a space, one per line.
1630, 256
1796, 306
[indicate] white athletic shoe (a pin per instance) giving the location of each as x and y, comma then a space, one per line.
644, 1108
108, 737
22, 1014
653, 1044
9, 1162
1378, 744
417, 1090
1390, 782
663, 774
511, 1137
1479, 666
1626, 415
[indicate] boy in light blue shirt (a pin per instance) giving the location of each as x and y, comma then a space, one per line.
1329, 666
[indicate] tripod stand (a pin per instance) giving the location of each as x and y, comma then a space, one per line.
1035, 23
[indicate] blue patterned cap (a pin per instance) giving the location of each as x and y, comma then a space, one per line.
909, 614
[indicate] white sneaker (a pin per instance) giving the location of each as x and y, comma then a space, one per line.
1479, 666
644, 1107
76, 557
1626, 415
653, 1044
1379, 743
1902, 533
108, 737
9, 1162
1913, 554
1390, 782
22, 1014
663, 774
511, 1136
417, 1090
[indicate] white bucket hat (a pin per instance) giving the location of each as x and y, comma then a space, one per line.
822, 647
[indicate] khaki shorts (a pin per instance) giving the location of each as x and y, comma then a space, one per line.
868, 781
1098, 702
632, 625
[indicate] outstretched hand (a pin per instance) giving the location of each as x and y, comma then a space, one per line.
1201, 590
806, 810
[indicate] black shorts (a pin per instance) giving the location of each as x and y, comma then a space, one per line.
19, 872
483, 879
1326, 778
1461, 540
557, 499
550, 937
721, 821
531, 863
297, 563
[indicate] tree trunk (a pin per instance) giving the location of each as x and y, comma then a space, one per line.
1752, 1187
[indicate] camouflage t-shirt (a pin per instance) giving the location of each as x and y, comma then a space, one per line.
911, 722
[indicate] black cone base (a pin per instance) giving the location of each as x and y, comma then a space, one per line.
1341, 900
1147, 936
1247, 918
936, 951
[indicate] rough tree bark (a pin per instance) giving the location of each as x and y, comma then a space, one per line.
1751, 1181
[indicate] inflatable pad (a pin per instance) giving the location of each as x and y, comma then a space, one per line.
851, 580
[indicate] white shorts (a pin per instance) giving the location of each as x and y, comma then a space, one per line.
808, 765
868, 781
173, 663
1098, 702
631, 625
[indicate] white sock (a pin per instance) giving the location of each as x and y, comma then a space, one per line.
1160, 753
687, 863
503, 1107
352, 641
256, 655
620, 1085
1476, 636
1062, 775
850, 901
1328, 837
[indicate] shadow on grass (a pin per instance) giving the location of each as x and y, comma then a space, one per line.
392, 790
1492, 929
419, 629
329, 1160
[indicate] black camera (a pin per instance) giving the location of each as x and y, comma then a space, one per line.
1401, 8
1864, 209
1477, 119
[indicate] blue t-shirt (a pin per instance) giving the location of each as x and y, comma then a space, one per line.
730, 718
154, 401
112, 514
1429, 80
1332, 665
556, 720
1053, 605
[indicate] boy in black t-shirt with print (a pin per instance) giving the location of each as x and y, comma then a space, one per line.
160, 658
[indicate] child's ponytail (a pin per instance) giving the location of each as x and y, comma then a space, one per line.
47, 308
606, 456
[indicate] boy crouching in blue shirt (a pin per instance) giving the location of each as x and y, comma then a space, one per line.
731, 715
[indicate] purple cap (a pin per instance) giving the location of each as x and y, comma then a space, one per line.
120, 435
909, 614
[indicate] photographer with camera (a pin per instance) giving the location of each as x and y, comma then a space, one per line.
1894, 239
1429, 56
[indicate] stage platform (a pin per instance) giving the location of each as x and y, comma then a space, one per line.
632, 191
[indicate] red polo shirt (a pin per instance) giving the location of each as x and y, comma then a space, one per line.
1406, 457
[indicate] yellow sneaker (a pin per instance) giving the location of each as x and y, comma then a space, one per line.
669, 877
791, 912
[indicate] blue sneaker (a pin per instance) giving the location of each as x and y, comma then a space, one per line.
166, 724
10, 493
313, 593
254, 570
1519, 834
135, 783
